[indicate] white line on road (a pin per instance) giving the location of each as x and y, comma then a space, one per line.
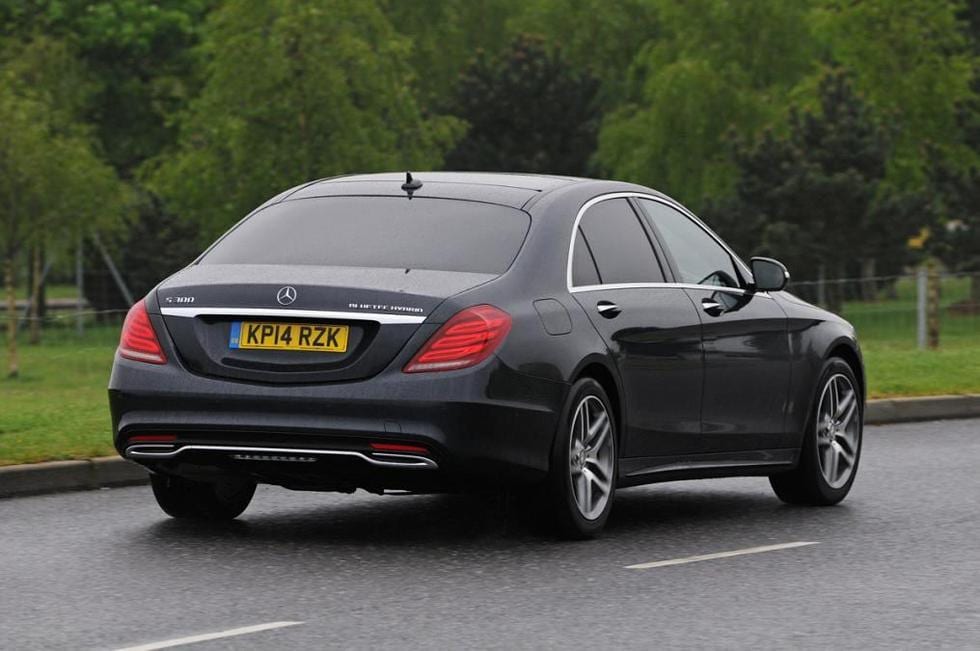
232, 632
711, 557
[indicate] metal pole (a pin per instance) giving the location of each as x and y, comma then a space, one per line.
116, 276
80, 286
920, 295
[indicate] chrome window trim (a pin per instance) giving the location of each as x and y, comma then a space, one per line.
731, 290
670, 203
190, 312
383, 459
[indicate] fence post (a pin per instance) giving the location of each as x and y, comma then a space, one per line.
933, 305
920, 295
80, 286
821, 286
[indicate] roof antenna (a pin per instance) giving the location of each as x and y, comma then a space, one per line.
410, 185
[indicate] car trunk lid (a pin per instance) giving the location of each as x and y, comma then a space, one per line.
209, 311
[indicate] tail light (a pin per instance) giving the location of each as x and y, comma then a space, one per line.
138, 340
466, 339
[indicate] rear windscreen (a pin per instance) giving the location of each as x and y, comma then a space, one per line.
395, 232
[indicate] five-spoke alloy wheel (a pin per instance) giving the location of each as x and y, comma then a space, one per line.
838, 431
582, 482
590, 457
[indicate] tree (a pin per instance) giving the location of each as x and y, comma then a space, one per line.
445, 36
595, 37
910, 60
956, 240
715, 66
527, 111
52, 183
139, 53
294, 91
813, 194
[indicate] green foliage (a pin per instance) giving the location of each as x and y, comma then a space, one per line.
956, 240
52, 181
294, 91
811, 197
527, 111
717, 66
446, 35
139, 53
595, 36
911, 60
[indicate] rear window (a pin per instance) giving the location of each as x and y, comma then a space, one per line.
394, 232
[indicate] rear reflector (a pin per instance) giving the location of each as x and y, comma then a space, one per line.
153, 438
138, 340
399, 447
466, 339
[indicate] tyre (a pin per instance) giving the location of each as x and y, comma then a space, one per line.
582, 477
832, 442
193, 500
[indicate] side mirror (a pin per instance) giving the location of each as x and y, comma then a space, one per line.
770, 275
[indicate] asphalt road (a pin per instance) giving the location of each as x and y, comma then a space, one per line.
897, 565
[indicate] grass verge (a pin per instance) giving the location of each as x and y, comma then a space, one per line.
57, 408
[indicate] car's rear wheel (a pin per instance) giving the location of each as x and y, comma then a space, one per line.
582, 480
225, 499
832, 443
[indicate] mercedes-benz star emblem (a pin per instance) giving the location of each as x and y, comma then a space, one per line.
286, 295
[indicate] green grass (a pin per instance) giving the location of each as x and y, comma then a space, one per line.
906, 371
57, 408
61, 291
895, 366
892, 322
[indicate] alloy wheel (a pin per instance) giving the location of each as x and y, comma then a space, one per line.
590, 457
838, 430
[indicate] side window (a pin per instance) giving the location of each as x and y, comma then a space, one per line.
584, 271
700, 260
619, 245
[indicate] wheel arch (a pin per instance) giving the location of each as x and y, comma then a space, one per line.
598, 369
848, 351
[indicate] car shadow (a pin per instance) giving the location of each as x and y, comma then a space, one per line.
691, 509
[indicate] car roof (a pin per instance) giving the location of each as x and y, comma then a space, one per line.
513, 190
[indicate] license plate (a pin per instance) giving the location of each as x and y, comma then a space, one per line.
289, 336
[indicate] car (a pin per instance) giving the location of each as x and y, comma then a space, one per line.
445, 331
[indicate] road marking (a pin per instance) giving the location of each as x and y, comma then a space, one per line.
232, 632
711, 557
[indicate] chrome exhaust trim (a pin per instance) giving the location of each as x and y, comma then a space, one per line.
381, 459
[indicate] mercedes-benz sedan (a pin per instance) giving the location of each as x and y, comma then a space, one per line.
452, 331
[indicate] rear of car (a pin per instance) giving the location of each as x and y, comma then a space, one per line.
307, 348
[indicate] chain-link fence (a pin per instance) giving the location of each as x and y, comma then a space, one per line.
902, 310
892, 310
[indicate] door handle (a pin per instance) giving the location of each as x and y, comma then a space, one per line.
608, 309
712, 307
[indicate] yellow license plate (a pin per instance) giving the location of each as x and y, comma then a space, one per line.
289, 336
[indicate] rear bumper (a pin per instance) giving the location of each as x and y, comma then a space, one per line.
480, 425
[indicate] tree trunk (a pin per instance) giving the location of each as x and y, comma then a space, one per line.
13, 368
932, 306
37, 278
869, 288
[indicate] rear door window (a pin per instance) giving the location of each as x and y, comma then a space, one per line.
584, 271
392, 232
619, 244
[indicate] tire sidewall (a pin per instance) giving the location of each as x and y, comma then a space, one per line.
569, 519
